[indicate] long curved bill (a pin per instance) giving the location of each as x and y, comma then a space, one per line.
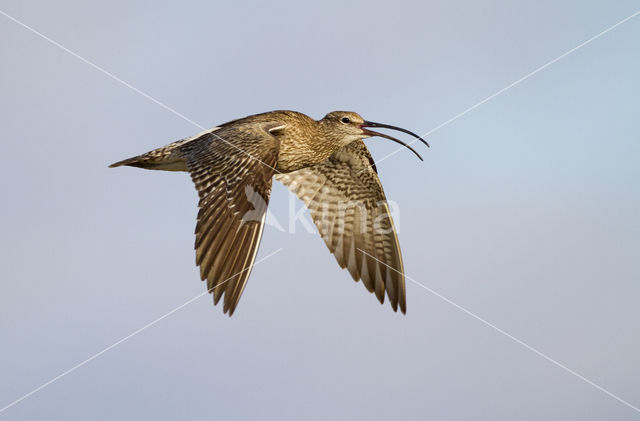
387, 126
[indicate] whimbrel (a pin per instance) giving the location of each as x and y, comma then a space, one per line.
324, 162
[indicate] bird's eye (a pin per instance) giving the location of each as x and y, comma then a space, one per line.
345, 120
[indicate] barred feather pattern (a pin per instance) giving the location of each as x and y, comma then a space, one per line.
233, 179
347, 203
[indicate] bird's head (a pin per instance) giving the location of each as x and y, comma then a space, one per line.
344, 127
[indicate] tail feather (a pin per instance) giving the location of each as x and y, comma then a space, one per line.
167, 158
136, 161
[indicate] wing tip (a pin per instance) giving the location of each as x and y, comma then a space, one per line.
399, 304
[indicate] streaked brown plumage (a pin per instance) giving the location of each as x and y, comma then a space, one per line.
325, 163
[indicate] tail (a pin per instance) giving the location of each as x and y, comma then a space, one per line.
167, 158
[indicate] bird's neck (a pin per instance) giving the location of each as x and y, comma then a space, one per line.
305, 146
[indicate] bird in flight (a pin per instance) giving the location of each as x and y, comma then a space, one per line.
324, 162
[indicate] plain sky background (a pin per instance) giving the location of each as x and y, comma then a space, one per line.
525, 212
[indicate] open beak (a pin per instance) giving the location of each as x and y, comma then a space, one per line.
387, 126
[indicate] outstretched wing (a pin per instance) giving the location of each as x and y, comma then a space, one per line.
232, 168
347, 204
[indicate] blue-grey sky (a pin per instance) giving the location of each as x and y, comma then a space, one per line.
525, 212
